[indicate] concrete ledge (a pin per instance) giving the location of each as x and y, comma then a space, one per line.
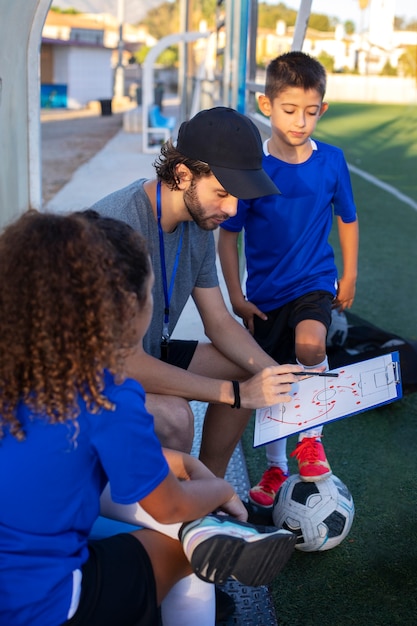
132, 120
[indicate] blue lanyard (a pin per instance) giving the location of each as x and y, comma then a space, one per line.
167, 292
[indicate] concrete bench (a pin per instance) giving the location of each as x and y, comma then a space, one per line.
132, 120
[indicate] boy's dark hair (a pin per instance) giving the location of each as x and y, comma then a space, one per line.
294, 69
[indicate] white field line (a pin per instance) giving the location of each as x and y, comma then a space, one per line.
388, 188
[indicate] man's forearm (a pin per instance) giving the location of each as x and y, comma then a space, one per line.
162, 378
238, 345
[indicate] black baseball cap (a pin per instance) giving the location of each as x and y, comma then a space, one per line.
231, 145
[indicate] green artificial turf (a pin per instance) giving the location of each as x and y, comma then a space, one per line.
382, 141
371, 577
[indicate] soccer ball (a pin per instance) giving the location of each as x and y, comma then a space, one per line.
320, 513
338, 329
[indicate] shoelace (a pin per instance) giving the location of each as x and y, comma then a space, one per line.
307, 450
270, 478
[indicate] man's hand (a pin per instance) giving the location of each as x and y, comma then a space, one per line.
269, 387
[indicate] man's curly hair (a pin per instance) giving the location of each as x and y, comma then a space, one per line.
65, 308
166, 166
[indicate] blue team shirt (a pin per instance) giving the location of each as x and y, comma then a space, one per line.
50, 485
286, 235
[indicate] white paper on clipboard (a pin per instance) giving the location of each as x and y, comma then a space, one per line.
317, 400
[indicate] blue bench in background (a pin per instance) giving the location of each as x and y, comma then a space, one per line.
160, 124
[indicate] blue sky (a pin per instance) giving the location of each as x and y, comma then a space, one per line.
349, 9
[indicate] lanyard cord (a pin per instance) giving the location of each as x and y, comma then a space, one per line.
167, 292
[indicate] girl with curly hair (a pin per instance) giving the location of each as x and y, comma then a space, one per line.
72, 307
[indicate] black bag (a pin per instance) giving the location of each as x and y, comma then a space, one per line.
365, 341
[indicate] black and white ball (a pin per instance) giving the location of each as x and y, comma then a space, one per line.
338, 329
320, 513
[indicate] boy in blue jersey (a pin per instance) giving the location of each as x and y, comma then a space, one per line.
292, 280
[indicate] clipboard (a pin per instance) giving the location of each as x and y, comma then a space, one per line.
317, 400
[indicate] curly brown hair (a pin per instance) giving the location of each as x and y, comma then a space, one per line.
166, 166
65, 307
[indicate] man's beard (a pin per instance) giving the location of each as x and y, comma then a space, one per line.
195, 208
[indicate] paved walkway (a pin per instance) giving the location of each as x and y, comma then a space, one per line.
119, 163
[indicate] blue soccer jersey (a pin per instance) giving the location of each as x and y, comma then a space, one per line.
50, 487
286, 235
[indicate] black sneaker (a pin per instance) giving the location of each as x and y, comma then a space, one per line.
219, 547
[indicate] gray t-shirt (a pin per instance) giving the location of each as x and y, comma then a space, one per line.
196, 264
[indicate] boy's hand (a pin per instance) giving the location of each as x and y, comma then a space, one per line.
246, 311
345, 294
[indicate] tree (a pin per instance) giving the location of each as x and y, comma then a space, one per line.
269, 15
327, 61
388, 70
349, 27
412, 25
163, 20
204, 10
322, 22
65, 11
168, 57
141, 54
407, 63
399, 23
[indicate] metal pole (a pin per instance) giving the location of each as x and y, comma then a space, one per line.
253, 25
301, 23
119, 77
227, 58
242, 54
183, 60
